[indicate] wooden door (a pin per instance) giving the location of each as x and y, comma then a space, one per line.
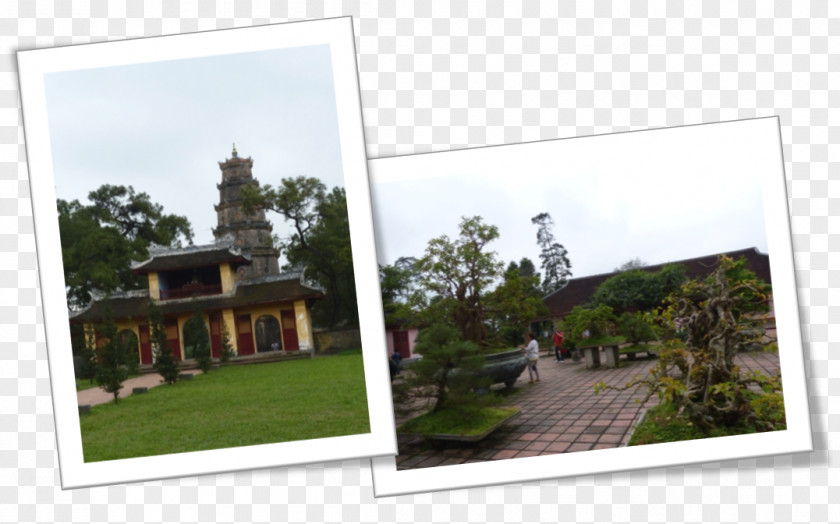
290, 338
173, 338
244, 334
145, 345
401, 344
216, 336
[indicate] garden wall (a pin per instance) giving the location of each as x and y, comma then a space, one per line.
327, 341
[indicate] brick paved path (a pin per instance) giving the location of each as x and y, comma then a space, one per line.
559, 414
95, 395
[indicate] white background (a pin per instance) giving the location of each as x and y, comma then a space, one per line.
437, 78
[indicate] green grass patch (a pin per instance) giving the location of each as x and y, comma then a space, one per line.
234, 406
664, 424
457, 422
84, 384
602, 341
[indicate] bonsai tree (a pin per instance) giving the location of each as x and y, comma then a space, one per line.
598, 323
698, 377
446, 375
165, 362
635, 328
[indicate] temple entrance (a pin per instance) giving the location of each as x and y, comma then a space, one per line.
195, 330
128, 340
145, 345
267, 333
401, 344
216, 336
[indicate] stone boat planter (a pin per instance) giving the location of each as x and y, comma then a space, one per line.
504, 368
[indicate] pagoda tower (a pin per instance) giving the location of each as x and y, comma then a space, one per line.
251, 232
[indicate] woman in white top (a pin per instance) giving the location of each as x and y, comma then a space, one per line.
532, 351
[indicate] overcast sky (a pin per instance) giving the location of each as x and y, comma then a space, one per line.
163, 127
659, 195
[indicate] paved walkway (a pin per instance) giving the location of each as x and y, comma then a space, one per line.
559, 414
96, 395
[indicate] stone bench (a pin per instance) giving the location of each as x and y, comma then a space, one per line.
592, 356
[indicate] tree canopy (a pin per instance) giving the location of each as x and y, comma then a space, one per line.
459, 272
319, 242
100, 240
398, 284
517, 301
639, 290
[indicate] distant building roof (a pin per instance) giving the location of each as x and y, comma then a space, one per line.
579, 290
191, 257
270, 289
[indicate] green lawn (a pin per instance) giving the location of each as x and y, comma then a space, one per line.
457, 423
663, 424
234, 406
84, 384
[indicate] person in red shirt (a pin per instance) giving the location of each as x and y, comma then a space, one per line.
558, 342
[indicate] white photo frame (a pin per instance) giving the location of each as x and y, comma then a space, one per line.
338, 35
749, 144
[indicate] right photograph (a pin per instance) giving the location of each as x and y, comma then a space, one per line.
585, 305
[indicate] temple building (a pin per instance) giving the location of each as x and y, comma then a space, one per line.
236, 282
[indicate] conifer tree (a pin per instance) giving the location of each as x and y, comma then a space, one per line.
195, 330
165, 362
227, 347
555, 258
111, 370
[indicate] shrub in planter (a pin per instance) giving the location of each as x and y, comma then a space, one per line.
444, 381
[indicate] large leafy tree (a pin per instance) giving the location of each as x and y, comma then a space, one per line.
639, 290
100, 240
319, 240
459, 272
553, 256
398, 285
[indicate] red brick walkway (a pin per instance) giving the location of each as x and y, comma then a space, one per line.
559, 414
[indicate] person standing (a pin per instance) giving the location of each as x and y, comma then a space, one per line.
558, 344
532, 351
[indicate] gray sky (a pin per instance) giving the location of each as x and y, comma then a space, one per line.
659, 195
163, 127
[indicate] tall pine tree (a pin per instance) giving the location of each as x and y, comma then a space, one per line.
555, 260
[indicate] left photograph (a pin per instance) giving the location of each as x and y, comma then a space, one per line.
204, 235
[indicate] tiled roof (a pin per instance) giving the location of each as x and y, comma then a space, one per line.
579, 290
191, 257
281, 288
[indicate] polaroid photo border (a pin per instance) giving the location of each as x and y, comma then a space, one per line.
757, 141
33, 66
